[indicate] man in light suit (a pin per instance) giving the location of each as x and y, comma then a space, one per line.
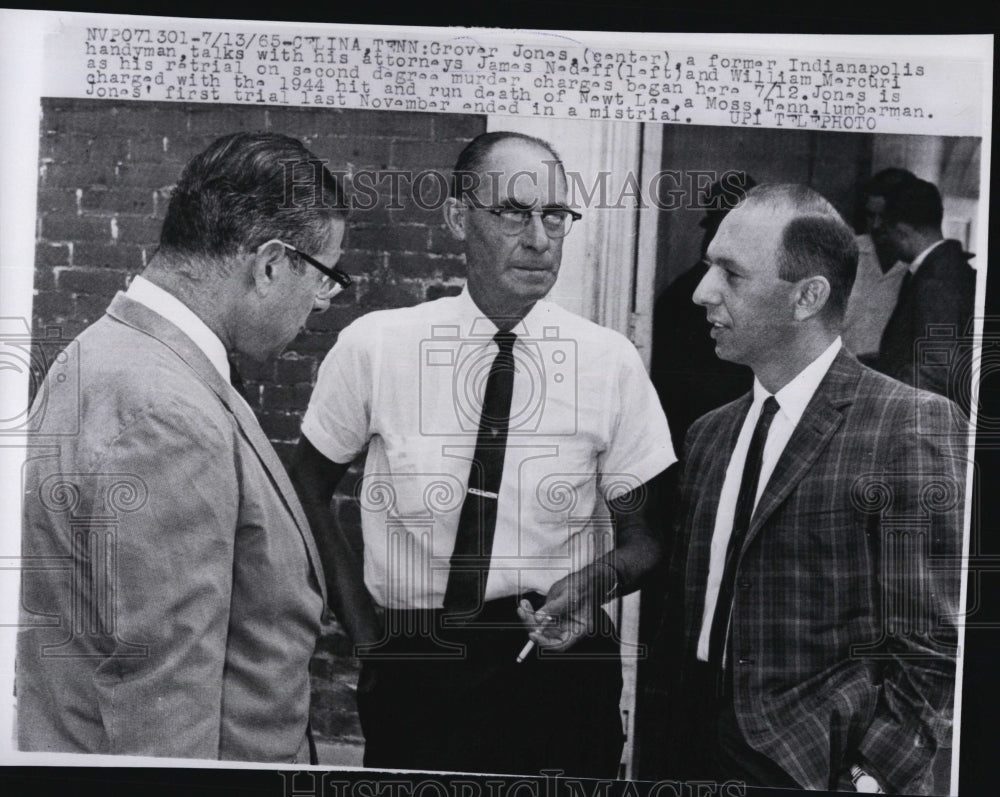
819, 528
172, 593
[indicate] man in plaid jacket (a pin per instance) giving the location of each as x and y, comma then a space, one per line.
820, 529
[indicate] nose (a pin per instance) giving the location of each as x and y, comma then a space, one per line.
533, 236
706, 293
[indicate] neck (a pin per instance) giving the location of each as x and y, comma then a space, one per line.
203, 298
787, 365
920, 242
504, 315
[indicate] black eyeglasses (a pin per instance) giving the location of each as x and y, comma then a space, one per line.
556, 221
340, 278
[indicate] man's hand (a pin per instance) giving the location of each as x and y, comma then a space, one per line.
570, 609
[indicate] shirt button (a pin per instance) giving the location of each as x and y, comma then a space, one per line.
744, 584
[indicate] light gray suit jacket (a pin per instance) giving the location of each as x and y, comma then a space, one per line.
171, 595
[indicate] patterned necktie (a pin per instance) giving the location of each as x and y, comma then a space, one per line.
470, 559
741, 524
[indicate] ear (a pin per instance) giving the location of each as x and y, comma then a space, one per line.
265, 264
454, 217
811, 296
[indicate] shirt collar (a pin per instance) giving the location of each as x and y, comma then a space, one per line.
181, 316
476, 324
923, 256
794, 397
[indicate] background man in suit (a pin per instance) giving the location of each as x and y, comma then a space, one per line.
939, 287
480, 516
182, 596
817, 635
880, 272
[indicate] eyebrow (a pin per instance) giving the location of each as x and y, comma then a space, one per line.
722, 262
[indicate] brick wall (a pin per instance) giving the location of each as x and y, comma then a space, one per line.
105, 177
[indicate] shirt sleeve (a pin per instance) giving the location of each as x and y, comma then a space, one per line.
639, 446
338, 420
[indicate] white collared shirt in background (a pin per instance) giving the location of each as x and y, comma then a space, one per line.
923, 256
792, 401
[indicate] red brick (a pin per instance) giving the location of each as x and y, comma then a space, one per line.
77, 147
292, 370
280, 425
381, 294
52, 254
425, 154
437, 291
286, 397
57, 200
217, 121
147, 149
45, 279
392, 124
102, 282
150, 118
95, 118
147, 175
458, 126
388, 239
336, 318
306, 122
444, 243
58, 227
87, 309
314, 343
118, 200
77, 175
183, 146
138, 230
350, 152
123, 257
48, 307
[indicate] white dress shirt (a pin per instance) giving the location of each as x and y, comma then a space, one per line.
923, 256
585, 426
792, 401
183, 317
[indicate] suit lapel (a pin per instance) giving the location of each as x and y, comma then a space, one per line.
140, 317
822, 417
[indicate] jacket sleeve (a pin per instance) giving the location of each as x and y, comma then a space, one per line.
920, 537
161, 692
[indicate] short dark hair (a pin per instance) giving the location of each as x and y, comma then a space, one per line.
815, 242
245, 189
915, 202
466, 175
886, 180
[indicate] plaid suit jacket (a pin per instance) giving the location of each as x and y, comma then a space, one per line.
846, 600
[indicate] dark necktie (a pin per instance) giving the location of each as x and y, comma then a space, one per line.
741, 523
235, 380
470, 559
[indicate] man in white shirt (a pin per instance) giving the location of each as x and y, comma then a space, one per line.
486, 522
816, 638
181, 593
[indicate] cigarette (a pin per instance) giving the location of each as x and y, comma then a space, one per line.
525, 651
